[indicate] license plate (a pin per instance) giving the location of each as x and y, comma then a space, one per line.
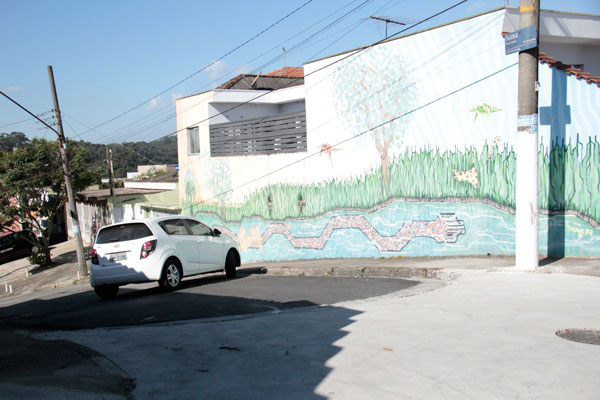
117, 257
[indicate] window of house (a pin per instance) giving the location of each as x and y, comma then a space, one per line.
193, 135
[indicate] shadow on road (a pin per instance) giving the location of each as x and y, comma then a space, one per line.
283, 356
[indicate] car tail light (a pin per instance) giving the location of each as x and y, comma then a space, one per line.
95, 257
148, 248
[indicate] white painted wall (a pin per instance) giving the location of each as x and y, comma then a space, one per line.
201, 169
221, 114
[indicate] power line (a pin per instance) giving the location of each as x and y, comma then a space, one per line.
353, 53
16, 123
118, 144
356, 53
28, 112
203, 68
297, 46
458, 41
359, 134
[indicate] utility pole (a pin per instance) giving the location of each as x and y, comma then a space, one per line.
111, 177
527, 145
71, 206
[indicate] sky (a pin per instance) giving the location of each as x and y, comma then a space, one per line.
120, 65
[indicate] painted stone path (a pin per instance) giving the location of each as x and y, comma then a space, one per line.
444, 229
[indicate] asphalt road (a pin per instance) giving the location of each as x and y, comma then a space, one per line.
204, 297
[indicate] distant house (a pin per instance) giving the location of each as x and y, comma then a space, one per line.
249, 116
406, 148
138, 199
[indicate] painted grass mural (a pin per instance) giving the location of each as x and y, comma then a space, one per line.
569, 180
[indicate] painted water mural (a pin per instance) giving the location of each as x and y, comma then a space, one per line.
480, 228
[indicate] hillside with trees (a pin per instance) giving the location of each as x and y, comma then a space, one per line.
126, 156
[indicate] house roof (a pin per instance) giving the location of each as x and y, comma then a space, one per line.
579, 74
103, 194
278, 79
288, 72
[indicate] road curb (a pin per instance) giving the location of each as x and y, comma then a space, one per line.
358, 272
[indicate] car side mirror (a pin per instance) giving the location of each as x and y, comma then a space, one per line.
217, 232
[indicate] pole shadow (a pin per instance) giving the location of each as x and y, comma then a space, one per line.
558, 116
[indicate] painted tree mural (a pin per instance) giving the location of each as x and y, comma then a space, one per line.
219, 181
370, 89
190, 186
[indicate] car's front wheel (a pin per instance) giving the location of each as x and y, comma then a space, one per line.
172, 275
106, 292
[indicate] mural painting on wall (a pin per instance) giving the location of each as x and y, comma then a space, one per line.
373, 93
444, 229
416, 202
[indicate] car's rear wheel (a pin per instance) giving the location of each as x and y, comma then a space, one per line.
172, 275
230, 264
106, 292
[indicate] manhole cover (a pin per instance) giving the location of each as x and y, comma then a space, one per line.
588, 336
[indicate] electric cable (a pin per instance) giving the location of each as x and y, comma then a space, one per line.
356, 52
330, 25
359, 134
202, 69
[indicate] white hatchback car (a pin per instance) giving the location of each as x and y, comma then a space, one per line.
163, 249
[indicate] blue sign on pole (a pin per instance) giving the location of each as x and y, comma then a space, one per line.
523, 39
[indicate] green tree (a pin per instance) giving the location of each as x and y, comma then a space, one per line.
13, 140
30, 176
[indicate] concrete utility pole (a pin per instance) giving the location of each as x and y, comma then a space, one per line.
527, 145
71, 207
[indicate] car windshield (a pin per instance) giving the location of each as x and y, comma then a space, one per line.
122, 233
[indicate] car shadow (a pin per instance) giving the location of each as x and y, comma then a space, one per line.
288, 359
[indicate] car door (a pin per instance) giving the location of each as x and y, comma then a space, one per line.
210, 247
185, 244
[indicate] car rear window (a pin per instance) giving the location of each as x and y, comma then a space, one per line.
122, 233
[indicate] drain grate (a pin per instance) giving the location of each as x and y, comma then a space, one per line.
587, 336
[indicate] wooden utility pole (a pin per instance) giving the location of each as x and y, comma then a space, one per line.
527, 145
111, 176
71, 206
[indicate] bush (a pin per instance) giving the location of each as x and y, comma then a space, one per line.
39, 257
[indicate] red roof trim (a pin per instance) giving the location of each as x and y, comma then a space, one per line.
589, 78
288, 72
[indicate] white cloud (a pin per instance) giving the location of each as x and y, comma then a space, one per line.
155, 102
175, 96
216, 70
11, 89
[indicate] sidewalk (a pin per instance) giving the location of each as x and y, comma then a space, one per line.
485, 335
19, 276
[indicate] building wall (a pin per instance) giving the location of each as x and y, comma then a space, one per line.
92, 216
412, 152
